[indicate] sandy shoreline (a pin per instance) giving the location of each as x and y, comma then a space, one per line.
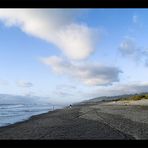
84, 122
26, 120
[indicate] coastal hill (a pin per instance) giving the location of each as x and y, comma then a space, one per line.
139, 96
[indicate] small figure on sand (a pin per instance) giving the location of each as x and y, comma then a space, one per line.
70, 106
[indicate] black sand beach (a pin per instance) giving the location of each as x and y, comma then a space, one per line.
87, 122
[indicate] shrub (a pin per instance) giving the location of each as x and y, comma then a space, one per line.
135, 97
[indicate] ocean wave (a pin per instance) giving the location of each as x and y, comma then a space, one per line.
12, 113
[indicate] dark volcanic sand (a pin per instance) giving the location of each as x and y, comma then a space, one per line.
67, 123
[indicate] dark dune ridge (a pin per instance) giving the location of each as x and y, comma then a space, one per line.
84, 122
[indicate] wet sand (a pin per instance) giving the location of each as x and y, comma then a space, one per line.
84, 122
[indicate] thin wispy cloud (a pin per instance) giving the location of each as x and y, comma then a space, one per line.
119, 89
135, 19
4, 82
129, 49
24, 84
66, 87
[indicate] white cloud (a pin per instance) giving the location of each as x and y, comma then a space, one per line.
135, 19
128, 47
57, 26
146, 63
66, 87
89, 74
77, 41
24, 84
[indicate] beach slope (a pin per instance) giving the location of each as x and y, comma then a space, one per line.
83, 122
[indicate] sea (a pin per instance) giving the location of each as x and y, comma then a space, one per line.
12, 113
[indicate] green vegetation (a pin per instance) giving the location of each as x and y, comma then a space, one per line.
135, 97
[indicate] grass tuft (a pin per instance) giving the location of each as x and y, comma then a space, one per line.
135, 98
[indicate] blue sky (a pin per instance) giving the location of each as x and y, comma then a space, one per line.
70, 55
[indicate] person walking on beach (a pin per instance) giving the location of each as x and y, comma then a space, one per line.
70, 106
